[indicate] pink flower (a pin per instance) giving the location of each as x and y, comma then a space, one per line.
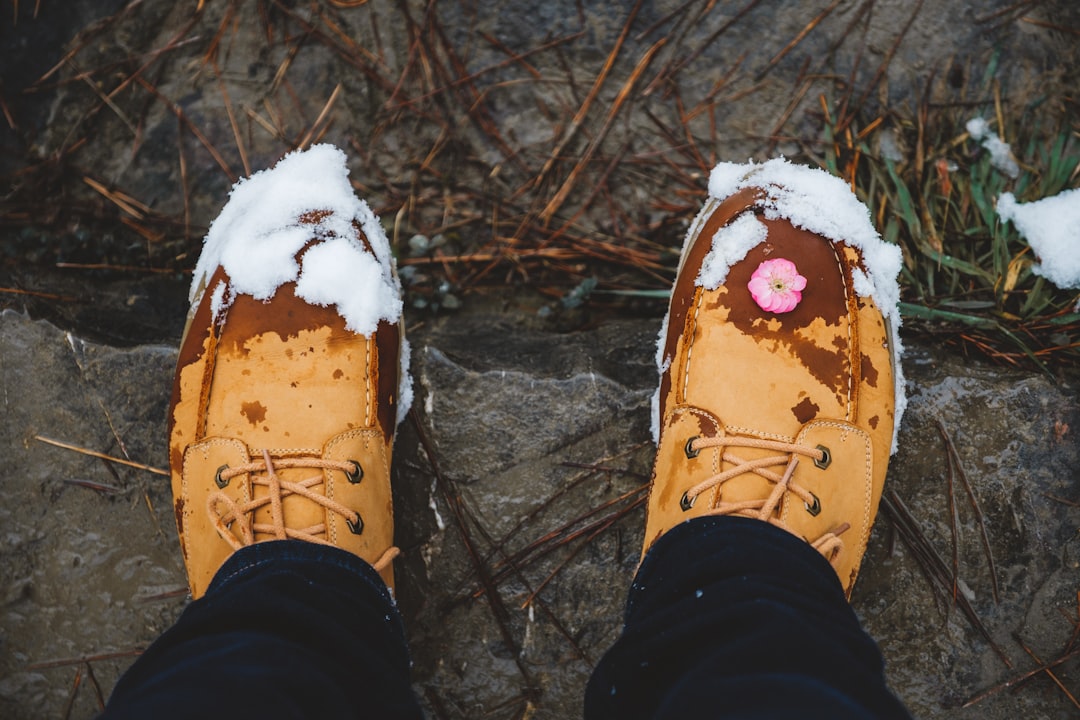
777, 286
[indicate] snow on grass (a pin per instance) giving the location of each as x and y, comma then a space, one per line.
1052, 228
259, 233
1001, 155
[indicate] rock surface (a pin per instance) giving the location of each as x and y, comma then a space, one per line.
520, 432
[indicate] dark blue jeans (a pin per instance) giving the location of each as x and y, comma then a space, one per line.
727, 617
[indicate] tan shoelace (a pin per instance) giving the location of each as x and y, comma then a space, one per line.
829, 544
227, 513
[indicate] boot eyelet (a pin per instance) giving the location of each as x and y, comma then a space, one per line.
686, 502
356, 527
814, 509
220, 481
826, 457
355, 476
690, 451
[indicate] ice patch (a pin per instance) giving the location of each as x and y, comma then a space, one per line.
1001, 155
271, 216
1052, 228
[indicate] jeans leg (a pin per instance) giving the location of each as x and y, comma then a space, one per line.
732, 617
286, 629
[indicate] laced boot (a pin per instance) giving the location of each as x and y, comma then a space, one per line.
777, 397
290, 380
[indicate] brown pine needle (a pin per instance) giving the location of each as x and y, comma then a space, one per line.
1051, 26
98, 695
36, 293
322, 116
560, 197
107, 99
714, 37
95, 486
884, 66
73, 694
178, 111
183, 177
274, 132
797, 39
102, 456
150, 235
167, 595
459, 511
1020, 678
351, 44
1047, 670
954, 519
954, 461
82, 659
599, 529
116, 268
932, 565
514, 56
1004, 11
550, 253
579, 117
232, 122
803, 84
128, 204
7, 113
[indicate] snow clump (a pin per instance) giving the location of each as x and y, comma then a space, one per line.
1001, 155
1052, 228
259, 232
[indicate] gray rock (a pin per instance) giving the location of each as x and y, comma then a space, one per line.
82, 567
530, 431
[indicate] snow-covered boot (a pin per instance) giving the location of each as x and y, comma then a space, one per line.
292, 373
780, 387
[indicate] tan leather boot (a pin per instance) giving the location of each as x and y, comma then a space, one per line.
778, 395
288, 384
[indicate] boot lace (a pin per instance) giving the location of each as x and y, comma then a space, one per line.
234, 521
829, 544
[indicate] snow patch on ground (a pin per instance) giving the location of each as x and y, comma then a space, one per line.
1001, 155
1052, 228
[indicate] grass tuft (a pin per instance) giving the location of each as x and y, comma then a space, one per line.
933, 190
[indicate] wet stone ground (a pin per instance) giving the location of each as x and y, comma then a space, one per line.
536, 443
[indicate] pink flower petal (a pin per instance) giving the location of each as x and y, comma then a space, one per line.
776, 285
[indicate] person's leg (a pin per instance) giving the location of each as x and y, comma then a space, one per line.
289, 385
286, 629
780, 391
732, 617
